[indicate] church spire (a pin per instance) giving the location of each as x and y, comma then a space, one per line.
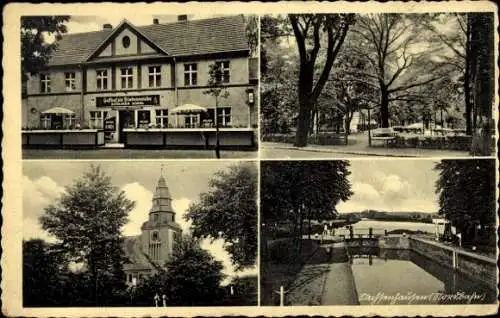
162, 200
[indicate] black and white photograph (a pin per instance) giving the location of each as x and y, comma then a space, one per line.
145, 234
353, 85
384, 232
287, 158
180, 86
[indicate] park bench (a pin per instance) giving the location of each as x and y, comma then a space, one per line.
387, 135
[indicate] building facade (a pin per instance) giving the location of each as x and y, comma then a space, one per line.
148, 252
131, 77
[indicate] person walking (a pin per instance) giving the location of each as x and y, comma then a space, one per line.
164, 298
157, 300
325, 231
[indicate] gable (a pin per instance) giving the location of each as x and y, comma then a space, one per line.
126, 40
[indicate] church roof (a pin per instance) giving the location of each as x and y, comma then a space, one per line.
185, 38
137, 260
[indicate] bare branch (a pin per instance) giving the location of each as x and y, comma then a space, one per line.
402, 88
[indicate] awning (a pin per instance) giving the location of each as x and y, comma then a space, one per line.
58, 110
188, 109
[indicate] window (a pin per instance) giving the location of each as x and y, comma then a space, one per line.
223, 76
70, 81
102, 80
45, 120
144, 118
223, 116
155, 237
44, 83
97, 119
127, 77
162, 118
69, 120
190, 74
154, 76
126, 41
129, 278
191, 121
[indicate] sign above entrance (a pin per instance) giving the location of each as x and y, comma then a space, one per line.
128, 101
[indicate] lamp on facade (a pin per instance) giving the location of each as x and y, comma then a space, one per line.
251, 97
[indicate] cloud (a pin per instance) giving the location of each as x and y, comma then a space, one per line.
37, 195
387, 192
142, 198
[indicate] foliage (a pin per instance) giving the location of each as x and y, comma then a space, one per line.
467, 191
35, 51
191, 278
308, 30
229, 211
44, 274
305, 190
87, 220
252, 32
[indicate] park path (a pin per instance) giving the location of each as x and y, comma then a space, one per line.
340, 288
326, 279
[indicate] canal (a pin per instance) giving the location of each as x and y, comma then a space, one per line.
404, 277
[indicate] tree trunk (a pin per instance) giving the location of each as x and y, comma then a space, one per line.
468, 102
217, 145
306, 104
384, 107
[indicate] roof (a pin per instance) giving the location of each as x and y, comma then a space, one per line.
137, 260
184, 38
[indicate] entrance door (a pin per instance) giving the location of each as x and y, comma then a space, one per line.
126, 120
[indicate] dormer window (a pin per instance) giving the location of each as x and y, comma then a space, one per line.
126, 41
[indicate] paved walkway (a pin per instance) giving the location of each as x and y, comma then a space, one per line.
276, 150
326, 279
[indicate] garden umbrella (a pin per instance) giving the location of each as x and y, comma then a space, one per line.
58, 110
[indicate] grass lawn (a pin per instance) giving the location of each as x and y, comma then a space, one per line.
281, 266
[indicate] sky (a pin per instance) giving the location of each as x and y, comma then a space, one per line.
392, 185
44, 182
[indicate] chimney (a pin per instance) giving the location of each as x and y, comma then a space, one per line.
107, 26
182, 17
156, 21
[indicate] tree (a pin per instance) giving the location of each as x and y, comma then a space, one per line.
44, 275
305, 190
467, 192
308, 29
191, 278
252, 32
229, 211
389, 43
35, 51
87, 220
456, 52
216, 89
483, 72
344, 94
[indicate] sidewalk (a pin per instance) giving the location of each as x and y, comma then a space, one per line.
268, 148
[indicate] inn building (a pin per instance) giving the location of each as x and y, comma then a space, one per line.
146, 85
147, 253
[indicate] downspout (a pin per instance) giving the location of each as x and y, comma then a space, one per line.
83, 88
174, 80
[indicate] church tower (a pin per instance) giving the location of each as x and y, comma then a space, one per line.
160, 231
